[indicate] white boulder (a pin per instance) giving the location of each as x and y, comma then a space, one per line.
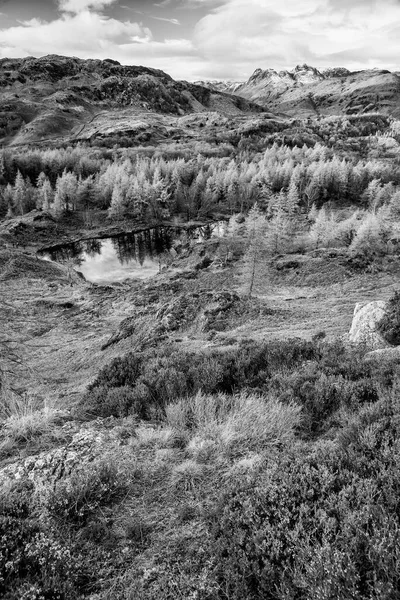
364, 326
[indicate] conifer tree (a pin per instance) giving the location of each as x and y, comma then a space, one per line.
19, 194
371, 237
254, 258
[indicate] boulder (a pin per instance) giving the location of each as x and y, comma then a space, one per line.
364, 326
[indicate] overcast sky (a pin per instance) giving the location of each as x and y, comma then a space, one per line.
207, 39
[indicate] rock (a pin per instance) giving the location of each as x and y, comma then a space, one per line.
364, 326
85, 445
383, 355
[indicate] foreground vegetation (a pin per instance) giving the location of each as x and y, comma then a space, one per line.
304, 436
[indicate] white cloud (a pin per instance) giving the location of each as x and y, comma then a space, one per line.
83, 34
241, 35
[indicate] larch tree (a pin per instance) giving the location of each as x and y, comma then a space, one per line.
19, 194
66, 195
322, 228
44, 192
254, 257
371, 236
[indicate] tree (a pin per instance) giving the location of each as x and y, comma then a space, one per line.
322, 227
292, 197
254, 257
66, 196
45, 192
19, 194
371, 236
278, 233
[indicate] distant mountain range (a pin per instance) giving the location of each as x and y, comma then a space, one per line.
306, 91
56, 97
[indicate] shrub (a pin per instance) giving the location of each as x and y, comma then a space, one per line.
389, 325
33, 562
321, 377
305, 529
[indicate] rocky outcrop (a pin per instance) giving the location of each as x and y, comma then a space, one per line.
364, 326
86, 444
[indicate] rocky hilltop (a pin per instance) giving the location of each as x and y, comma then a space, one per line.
307, 91
56, 96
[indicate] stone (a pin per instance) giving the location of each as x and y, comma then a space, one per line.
364, 326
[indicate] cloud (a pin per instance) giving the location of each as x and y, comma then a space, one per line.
77, 6
233, 38
93, 34
173, 21
241, 35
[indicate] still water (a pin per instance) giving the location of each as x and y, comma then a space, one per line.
131, 255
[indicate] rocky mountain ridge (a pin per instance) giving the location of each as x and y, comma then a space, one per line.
56, 96
306, 91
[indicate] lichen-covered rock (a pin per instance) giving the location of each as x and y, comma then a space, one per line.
364, 326
87, 444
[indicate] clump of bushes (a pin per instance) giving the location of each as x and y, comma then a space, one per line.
320, 524
389, 326
319, 377
34, 563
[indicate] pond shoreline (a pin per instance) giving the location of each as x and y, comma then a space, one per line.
114, 231
110, 256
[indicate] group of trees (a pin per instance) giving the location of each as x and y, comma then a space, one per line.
136, 186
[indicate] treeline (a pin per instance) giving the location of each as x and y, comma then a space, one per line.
154, 187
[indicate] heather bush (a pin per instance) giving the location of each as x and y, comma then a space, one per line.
389, 325
34, 563
321, 377
305, 529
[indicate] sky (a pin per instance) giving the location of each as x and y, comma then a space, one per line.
207, 39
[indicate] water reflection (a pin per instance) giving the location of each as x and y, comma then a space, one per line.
130, 255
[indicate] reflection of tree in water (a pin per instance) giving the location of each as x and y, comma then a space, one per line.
152, 243
144, 244
92, 247
67, 254
125, 248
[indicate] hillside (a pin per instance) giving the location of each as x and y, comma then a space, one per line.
55, 97
307, 91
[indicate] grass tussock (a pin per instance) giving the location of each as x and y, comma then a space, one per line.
26, 421
234, 424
